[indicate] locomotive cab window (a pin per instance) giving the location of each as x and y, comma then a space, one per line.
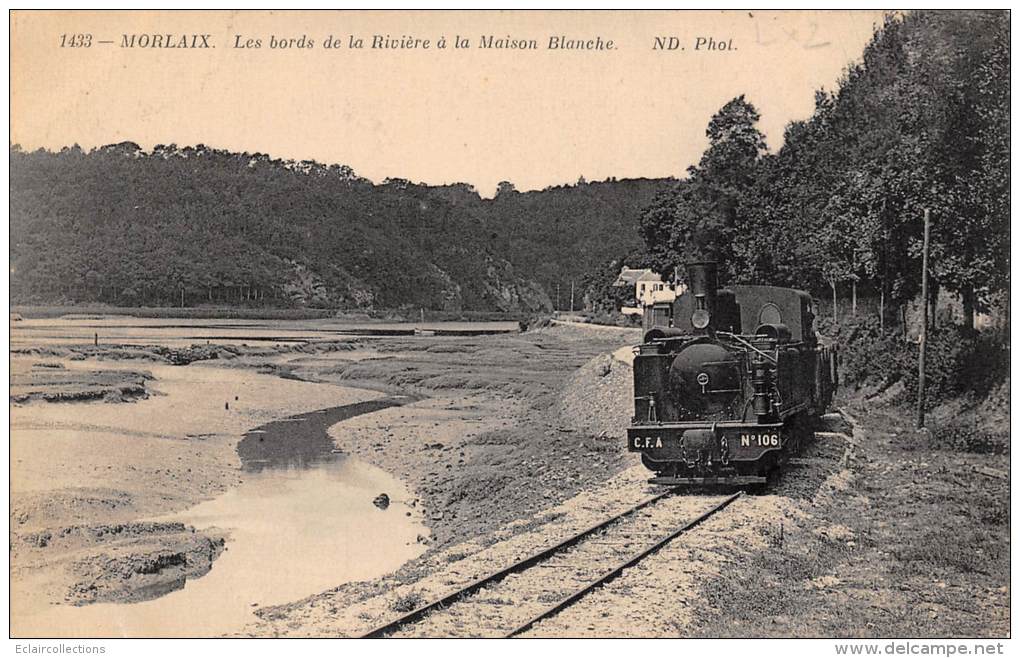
770, 314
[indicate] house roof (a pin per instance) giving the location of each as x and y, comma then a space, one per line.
629, 277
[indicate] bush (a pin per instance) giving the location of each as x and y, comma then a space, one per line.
408, 602
613, 319
963, 436
536, 322
957, 360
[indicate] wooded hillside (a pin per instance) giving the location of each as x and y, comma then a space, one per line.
187, 226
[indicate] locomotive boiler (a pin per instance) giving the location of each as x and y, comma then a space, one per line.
728, 382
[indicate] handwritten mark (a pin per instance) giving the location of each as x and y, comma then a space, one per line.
792, 34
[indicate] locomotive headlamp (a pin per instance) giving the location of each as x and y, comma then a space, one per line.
700, 318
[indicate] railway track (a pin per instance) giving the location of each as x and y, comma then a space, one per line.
510, 601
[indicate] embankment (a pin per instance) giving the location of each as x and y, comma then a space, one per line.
511, 426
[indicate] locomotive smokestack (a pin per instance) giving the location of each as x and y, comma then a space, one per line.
703, 281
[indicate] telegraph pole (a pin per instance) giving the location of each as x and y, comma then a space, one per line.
923, 339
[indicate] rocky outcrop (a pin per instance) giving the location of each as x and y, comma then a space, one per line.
510, 292
497, 287
307, 288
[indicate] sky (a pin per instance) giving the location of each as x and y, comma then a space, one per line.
437, 115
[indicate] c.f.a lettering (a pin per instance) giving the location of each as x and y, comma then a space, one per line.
647, 442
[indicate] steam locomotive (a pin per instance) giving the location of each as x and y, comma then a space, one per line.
728, 382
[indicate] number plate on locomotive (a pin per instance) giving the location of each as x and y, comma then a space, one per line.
759, 440
742, 443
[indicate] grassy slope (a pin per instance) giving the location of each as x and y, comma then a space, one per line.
916, 545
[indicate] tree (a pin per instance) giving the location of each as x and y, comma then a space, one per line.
597, 285
699, 218
505, 189
920, 122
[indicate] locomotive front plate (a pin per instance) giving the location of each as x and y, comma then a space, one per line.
672, 442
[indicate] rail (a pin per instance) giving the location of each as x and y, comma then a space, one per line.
466, 591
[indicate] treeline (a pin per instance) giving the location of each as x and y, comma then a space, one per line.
196, 225
921, 122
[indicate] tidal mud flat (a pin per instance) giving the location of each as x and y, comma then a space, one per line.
111, 493
92, 483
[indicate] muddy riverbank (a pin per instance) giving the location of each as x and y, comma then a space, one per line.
506, 429
89, 478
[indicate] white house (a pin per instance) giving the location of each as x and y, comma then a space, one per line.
649, 288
